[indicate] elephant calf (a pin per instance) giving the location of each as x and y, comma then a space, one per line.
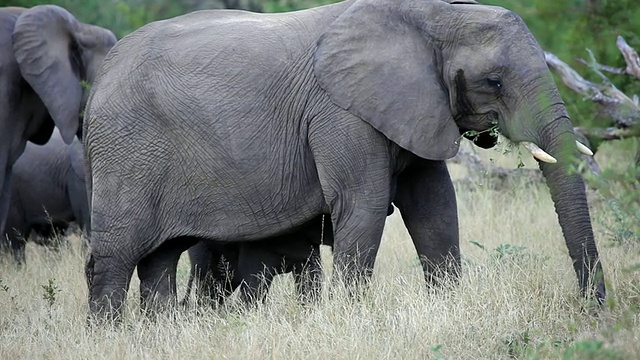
220, 268
47, 193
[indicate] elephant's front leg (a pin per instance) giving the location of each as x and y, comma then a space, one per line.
427, 201
357, 240
354, 168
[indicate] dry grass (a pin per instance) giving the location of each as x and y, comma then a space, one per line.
517, 299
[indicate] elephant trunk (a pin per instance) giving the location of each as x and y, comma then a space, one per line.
569, 197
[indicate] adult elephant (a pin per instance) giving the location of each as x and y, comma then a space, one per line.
235, 126
45, 55
48, 192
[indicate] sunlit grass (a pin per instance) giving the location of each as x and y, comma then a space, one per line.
518, 298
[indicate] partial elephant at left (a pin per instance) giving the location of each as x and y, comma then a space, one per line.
48, 193
46, 58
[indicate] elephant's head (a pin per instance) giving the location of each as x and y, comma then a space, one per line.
424, 72
45, 57
56, 54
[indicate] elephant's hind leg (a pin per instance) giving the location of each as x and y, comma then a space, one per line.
157, 273
107, 283
109, 270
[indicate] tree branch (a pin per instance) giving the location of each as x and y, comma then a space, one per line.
610, 133
501, 177
616, 104
630, 57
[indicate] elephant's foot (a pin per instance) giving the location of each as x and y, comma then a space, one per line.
446, 270
106, 308
255, 289
213, 292
17, 247
107, 290
352, 284
153, 302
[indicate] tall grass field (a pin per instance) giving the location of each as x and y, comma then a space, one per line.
517, 299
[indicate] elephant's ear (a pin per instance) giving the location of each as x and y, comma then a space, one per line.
49, 60
372, 62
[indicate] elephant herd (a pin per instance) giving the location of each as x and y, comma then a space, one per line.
251, 139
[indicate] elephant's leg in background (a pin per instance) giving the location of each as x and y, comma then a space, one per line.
200, 258
221, 279
157, 273
257, 266
5, 194
17, 241
17, 232
308, 276
80, 205
50, 235
212, 272
427, 201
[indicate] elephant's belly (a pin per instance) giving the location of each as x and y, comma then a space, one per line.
252, 204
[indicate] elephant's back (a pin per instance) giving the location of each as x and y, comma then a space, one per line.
51, 159
229, 39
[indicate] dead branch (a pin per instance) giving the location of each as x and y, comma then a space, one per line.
607, 68
468, 159
610, 133
630, 57
615, 104
501, 177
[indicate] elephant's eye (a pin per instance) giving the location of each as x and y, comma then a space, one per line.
494, 83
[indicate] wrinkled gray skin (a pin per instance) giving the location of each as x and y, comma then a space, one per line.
45, 53
48, 192
235, 126
220, 268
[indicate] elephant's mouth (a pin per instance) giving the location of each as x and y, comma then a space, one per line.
481, 129
485, 139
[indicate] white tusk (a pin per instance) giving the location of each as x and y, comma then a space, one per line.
583, 148
538, 153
